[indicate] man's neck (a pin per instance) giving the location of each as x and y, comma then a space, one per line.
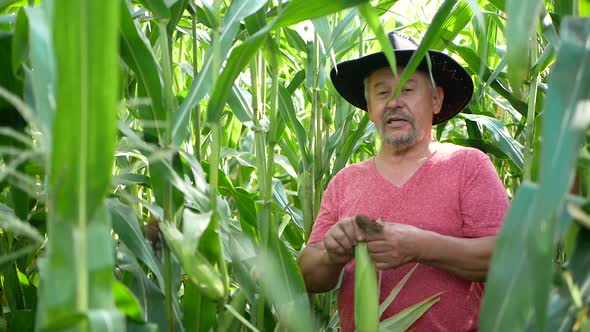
416, 153
398, 166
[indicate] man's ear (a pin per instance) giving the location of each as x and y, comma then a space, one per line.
437, 99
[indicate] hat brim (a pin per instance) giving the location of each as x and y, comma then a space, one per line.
348, 77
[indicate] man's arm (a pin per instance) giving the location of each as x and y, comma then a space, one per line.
318, 273
321, 262
398, 244
468, 258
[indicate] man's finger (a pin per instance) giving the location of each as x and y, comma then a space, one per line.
349, 228
344, 237
378, 246
339, 243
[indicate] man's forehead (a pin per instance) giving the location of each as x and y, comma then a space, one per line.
384, 74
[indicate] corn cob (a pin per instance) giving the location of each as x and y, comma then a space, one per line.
366, 288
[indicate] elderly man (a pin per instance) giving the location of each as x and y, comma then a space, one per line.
441, 205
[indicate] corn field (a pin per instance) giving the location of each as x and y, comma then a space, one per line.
162, 161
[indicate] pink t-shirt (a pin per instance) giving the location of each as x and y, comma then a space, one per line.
457, 193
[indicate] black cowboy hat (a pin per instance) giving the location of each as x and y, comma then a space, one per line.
348, 76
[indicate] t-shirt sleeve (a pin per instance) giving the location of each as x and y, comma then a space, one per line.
328, 214
484, 202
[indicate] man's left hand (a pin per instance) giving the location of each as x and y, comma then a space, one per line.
397, 245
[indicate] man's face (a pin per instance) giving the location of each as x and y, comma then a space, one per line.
404, 120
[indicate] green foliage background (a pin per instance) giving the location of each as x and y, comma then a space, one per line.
162, 161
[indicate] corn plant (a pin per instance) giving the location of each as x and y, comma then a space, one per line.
162, 161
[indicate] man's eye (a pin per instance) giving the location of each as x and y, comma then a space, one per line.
407, 90
381, 93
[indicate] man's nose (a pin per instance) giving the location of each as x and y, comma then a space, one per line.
393, 103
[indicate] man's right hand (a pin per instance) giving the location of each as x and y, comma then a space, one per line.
340, 240
321, 262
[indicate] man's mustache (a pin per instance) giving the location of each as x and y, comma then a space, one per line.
401, 115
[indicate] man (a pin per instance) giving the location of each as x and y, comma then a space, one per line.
441, 205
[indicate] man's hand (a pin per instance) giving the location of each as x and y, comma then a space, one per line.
340, 240
396, 245
321, 262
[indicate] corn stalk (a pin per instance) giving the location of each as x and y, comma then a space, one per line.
80, 171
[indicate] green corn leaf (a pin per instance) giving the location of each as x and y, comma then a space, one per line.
194, 225
351, 144
287, 111
233, 316
160, 8
106, 320
301, 10
546, 59
280, 196
491, 39
528, 273
20, 41
511, 147
128, 179
170, 198
148, 294
10, 223
403, 320
566, 107
395, 291
383, 6
296, 11
567, 117
206, 16
177, 8
473, 61
195, 265
64, 322
102, 320
9, 258
321, 27
432, 34
199, 311
580, 258
139, 56
13, 109
7, 3
43, 77
338, 31
372, 18
126, 225
244, 203
479, 143
239, 58
126, 301
14, 294
240, 106
191, 308
523, 17
202, 82
282, 285
20, 320
561, 305
455, 24
566, 7
491, 77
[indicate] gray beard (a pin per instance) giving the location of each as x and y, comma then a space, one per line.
399, 142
